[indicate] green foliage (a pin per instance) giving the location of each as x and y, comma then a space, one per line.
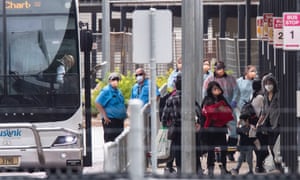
126, 84
161, 80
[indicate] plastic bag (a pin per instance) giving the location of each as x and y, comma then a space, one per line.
163, 144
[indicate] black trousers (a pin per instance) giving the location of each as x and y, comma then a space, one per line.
266, 139
216, 138
176, 150
113, 129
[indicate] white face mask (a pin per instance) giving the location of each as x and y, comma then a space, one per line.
139, 79
269, 87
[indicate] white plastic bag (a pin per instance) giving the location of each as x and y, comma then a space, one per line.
163, 144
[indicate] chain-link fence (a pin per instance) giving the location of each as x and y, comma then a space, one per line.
121, 55
232, 51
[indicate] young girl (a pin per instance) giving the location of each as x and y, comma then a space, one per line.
217, 114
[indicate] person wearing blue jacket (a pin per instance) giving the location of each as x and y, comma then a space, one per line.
111, 104
244, 84
174, 73
140, 89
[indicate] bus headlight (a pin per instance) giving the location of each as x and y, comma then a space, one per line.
65, 140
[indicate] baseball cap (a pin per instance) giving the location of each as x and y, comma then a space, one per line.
114, 75
219, 65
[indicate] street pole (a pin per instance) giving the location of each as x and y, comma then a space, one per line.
191, 57
153, 90
105, 37
199, 49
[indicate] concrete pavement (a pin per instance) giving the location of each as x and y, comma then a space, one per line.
98, 157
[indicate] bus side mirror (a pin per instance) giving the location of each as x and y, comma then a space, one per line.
86, 40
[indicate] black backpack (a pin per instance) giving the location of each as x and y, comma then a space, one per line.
248, 110
162, 103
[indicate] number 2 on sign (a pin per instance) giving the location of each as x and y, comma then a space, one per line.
280, 35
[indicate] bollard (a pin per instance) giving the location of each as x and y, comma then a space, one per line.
135, 142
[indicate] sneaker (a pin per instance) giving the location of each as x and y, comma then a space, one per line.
234, 172
223, 170
249, 173
169, 170
230, 157
200, 172
260, 170
210, 171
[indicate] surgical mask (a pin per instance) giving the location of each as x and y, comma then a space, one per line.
139, 79
269, 87
243, 123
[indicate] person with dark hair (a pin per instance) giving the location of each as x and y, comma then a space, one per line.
231, 94
257, 97
268, 123
172, 116
111, 104
218, 113
245, 145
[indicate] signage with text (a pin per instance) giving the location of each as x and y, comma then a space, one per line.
266, 16
259, 27
270, 30
291, 31
277, 32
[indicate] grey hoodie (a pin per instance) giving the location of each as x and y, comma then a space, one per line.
271, 109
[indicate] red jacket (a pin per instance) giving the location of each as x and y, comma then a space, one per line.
217, 115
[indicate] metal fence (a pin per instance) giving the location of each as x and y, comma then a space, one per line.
232, 51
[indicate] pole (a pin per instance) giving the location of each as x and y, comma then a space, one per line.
199, 45
153, 90
188, 80
248, 31
105, 36
87, 90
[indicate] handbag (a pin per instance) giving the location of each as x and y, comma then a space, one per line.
171, 132
163, 144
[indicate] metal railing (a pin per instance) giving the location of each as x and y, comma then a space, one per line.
115, 154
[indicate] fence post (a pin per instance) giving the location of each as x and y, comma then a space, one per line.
218, 46
237, 55
135, 142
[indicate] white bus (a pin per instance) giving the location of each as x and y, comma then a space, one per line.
41, 119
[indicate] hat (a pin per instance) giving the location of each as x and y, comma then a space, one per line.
114, 75
219, 65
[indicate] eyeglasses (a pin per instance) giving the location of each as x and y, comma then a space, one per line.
115, 79
141, 74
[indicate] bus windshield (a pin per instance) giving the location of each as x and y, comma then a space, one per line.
39, 59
